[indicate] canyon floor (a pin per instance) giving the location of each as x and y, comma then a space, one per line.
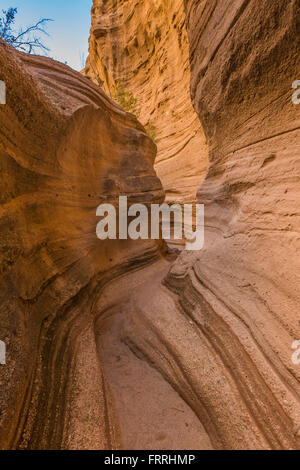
152, 414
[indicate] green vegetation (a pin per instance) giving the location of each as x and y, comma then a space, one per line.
126, 100
129, 103
152, 132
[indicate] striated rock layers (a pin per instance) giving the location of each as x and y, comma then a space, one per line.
142, 45
224, 340
105, 349
244, 59
64, 148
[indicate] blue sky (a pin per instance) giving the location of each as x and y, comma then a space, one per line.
69, 32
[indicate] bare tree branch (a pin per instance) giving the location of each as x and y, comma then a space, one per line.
24, 40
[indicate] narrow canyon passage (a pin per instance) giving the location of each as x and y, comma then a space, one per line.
119, 343
139, 53
152, 414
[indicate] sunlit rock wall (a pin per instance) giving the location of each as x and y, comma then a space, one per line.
65, 147
142, 45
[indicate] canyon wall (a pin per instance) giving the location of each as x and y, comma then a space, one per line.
225, 342
142, 45
65, 148
108, 345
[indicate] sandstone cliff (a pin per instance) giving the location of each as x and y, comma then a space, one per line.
225, 343
65, 148
244, 59
109, 345
143, 46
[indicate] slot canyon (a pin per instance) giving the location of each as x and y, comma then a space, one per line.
132, 344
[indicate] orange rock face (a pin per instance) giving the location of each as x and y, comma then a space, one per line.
143, 46
109, 345
65, 148
224, 344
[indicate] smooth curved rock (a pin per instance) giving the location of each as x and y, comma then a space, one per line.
241, 290
65, 148
224, 342
215, 335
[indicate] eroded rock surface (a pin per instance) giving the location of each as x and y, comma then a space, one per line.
244, 59
153, 413
211, 334
225, 344
142, 45
65, 148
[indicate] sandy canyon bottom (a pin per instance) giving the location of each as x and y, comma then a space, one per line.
152, 414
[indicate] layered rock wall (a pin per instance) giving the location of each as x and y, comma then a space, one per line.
142, 46
65, 147
224, 341
241, 291
214, 331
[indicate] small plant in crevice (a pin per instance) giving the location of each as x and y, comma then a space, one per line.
126, 99
152, 132
129, 103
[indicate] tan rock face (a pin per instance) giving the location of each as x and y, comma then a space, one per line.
224, 343
143, 46
108, 350
65, 148
241, 290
